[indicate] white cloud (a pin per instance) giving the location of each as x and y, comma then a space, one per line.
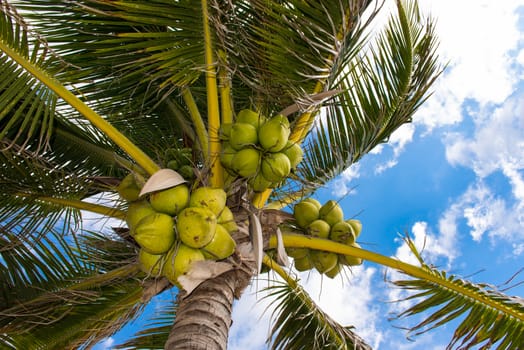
349, 300
343, 184
105, 344
480, 58
398, 141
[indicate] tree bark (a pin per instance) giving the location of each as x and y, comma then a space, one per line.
203, 318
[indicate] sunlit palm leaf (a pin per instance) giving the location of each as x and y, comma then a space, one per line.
382, 90
27, 106
300, 324
487, 317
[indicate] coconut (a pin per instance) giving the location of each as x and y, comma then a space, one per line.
155, 233
136, 212
297, 253
242, 135
334, 271
323, 261
246, 162
221, 246
196, 226
173, 164
331, 212
294, 152
273, 135
225, 131
259, 183
342, 232
227, 220
319, 228
275, 167
305, 213
250, 117
187, 172
227, 154
356, 225
350, 260
170, 201
206, 197
179, 260
303, 264
314, 201
129, 188
150, 263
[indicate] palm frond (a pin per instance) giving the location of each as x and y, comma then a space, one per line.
73, 296
154, 334
300, 324
27, 105
480, 323
281, 51
383, 88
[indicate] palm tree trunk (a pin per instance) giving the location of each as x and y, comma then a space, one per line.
203, 318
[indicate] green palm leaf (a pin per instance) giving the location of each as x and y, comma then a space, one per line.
300, 324
487, 317
481, 324
27, 105
383, 88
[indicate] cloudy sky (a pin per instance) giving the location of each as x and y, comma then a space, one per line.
453, 180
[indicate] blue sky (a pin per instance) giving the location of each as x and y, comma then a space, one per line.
453, 179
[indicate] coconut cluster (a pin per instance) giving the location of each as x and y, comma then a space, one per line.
324, 221
179, 160
258, 149
175, 227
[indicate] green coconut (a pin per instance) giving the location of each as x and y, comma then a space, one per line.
242, 135
150, 263
273, 135
305, 213
297, 253
196, 226
303, 264
227, 220
207, 197
136, 212
275, 166
331, 212
155, 233
350, 260
250, 117
323, 261
294, 152
179, 260
342, 232
259, 183
221, 246
170, 201
356, 225
226, 156
334, 271
318, 228
313, 201
246, 162
129, 188
225, 131
173, 164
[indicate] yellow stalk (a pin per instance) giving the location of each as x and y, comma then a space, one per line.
272, 264
226, 105
198, 123
302, 125
301, 241
123, 142
77, 204
213, 112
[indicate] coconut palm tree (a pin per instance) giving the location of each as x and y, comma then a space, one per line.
96, 90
